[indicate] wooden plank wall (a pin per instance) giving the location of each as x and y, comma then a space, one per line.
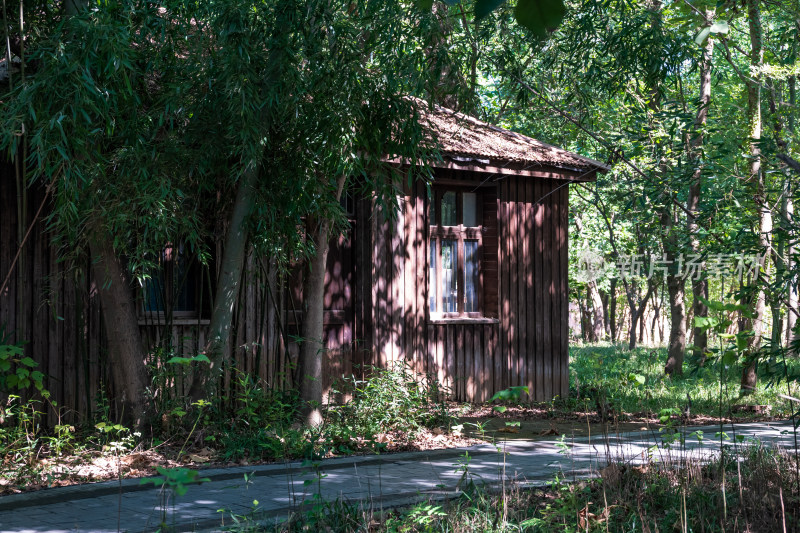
375, 302
52, 308
460, 354
526, 287
342, 295
533, 285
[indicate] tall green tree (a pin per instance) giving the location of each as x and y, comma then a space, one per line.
98, 109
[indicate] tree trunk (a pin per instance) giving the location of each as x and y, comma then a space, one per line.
791, 317
227, 290
586, 329
637, 314
677, 303
677, 329
312, 346
606, 325
654, 323
641, 326
778, 252
756, 181
632, 331
597, 316
700, 286
125, 347
612, 309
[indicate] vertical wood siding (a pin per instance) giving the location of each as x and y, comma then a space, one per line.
533, 285
52, 308
376, 299
524, 284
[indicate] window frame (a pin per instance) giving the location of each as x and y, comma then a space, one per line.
459, 233
171, 288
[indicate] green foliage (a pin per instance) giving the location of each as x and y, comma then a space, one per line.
23, 435
252, 421
17, 371
538, 16
175, 479
186, 361
395, 398
634, 382
509, 395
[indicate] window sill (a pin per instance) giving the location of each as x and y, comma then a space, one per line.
463, 320
176, 321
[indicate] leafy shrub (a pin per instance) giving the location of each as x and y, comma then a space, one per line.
395, 398
254, 420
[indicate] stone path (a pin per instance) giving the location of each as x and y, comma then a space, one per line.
380, 481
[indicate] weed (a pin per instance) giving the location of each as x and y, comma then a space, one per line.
396, 398
173, 482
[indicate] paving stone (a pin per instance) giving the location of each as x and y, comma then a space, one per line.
371, 480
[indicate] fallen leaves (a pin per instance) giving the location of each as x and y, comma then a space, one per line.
203, 456
585, 518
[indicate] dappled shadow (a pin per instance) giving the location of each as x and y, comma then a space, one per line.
376, 480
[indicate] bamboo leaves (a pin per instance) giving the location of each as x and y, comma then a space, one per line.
540, 17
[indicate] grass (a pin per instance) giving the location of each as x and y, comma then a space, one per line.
634, 382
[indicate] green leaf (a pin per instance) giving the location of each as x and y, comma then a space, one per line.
719, 306
504, 395
484, 7
742, 340
500, 408
27, 361
536, 523
637, 378
705, 322
729, 358
201, 358
425, 5
539, 16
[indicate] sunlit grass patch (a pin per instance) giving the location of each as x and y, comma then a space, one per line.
633, 381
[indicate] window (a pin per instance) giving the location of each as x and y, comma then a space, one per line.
176, 287
454, 254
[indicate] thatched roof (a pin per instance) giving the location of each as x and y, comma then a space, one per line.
463, 137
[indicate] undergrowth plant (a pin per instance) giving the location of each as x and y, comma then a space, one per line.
390, 399
20, 418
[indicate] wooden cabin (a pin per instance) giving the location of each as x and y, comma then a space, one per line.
467, 281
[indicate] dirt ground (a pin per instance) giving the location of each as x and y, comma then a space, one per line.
473, 425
